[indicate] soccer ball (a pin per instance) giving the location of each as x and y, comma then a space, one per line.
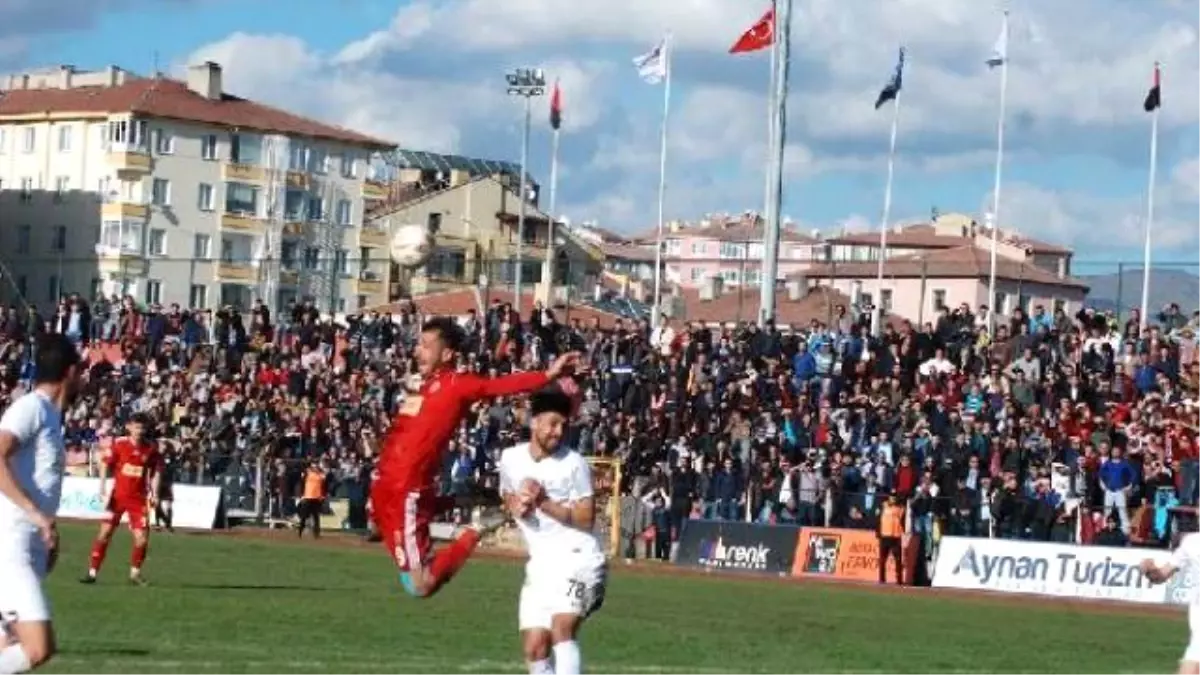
411, 246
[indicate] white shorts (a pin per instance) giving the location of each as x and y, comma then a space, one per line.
579, 591
22, 568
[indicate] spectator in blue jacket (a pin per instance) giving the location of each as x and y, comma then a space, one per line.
1116, 479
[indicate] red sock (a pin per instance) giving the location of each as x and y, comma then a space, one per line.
99, 549
448, 561
139, 556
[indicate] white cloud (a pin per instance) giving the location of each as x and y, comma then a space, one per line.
1069, 88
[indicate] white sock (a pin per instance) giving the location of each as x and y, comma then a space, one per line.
13, 659
567, 659
542, 667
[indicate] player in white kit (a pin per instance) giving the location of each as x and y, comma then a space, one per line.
32, 459
548, 490
1186, 555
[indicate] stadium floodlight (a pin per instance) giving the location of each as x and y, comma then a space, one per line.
527, 83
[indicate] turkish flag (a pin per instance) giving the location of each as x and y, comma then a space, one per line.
760, 36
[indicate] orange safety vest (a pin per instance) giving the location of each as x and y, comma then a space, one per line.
314, 485
891, 521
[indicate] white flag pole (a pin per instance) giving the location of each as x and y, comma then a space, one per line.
996, 185
771, 109
1150, 203
877, 315
662, 183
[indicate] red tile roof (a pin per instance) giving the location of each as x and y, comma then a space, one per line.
171, 99
459, 302
633, 252
960, 262
924, 235
742, 304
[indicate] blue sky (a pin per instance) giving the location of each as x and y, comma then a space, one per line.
428, 75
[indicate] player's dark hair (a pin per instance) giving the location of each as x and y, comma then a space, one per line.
550, 399
142, 419
54, 355
447, 331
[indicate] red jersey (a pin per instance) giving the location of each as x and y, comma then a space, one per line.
428, 419
131, 465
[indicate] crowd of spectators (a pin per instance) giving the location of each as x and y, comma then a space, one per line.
1065, 428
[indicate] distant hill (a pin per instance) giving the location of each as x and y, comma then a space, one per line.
1166, 286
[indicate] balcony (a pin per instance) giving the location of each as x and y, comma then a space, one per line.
369, 282
299, 180
236, 272
294, 229
289, 276
242, 173
124, 211
370, 235
123, 262
374, 190
242, 222
128, 159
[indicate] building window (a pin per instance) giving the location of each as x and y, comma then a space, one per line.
53, 289
202, 247
733, 251
245, 149
699, 248
885, 299
198, 296
23, 285
60, 239
64, 138
226, 251
753, 277
316, 209
362, 301
730, 276
61, 184
348, 165
157, 243
97, 288
756, 252
128, 133
241, 199
206, 198
312, 258
121, 235
24, 234
287, 255
3, 141
1000, 303
208, 148
29, 140
447, 263
340, 262
698, 274
153, 292
939, 299
164, 144
1060, 305
672, 247
160, 192
27, 189
294, 203
299, 157
318, 160
343, 212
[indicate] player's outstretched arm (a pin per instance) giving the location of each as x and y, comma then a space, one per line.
476, 387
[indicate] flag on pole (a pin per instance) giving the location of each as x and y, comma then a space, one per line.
1000, 50
1154, 96
759, 36
892, 89
652, 66
555, 108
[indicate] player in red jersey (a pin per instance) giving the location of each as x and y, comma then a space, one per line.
136, 467
404, 496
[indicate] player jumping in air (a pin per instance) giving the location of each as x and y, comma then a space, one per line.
548, 490
32, 459
136, 467
1186, 555
404, 496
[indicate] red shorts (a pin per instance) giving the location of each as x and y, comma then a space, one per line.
134, 506
402, 516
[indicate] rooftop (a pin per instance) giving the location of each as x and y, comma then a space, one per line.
165, 98
963, 261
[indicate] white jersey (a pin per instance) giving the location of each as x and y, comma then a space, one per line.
40, 458
567, 571
37, 466
566, 477
1186, 558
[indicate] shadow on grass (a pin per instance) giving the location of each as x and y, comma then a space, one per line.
106, 651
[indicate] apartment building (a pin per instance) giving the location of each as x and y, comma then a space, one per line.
179, 192
475, 218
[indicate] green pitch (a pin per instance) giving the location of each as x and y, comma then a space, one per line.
221, 604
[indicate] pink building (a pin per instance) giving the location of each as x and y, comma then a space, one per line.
730, 248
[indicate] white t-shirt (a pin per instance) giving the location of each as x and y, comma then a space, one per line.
1187, 559
39, 461
566, 477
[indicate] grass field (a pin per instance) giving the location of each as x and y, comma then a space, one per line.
227, 604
